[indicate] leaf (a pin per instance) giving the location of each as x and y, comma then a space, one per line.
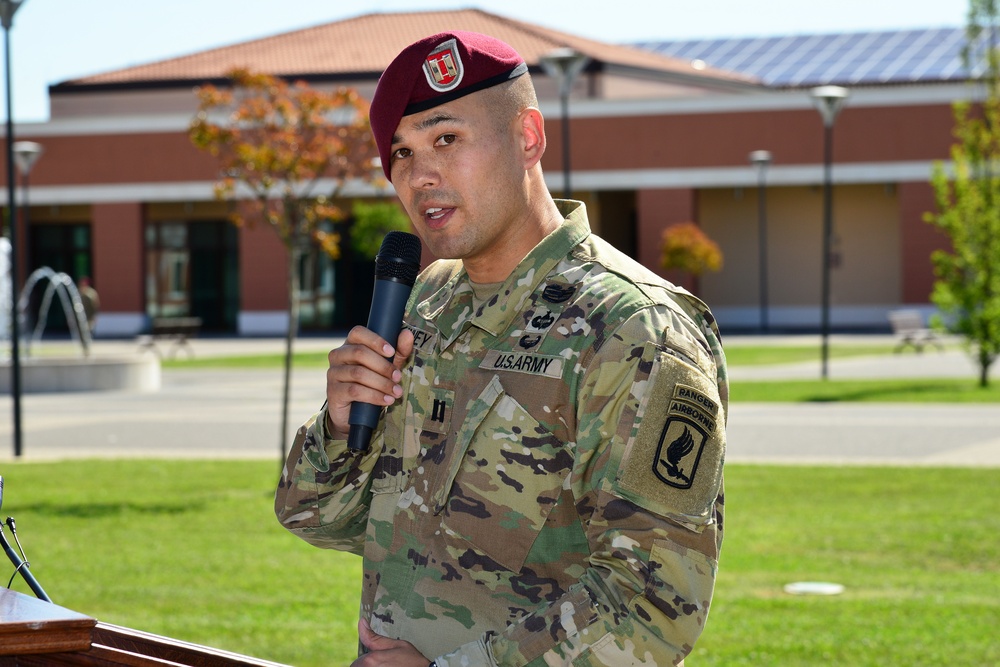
685, 246
279, 138
967, 286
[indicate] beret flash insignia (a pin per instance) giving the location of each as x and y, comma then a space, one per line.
443, 67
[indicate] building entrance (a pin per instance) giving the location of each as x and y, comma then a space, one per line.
192, 271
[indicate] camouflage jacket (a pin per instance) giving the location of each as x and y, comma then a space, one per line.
549, 489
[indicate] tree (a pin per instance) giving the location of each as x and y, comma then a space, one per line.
372, 222
967, 289
277, 145
685, 246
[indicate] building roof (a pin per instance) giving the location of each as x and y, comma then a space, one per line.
846, 59
363, 46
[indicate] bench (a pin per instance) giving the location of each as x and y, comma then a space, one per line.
175, 329
908, 326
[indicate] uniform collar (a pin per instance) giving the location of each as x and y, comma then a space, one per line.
451, 310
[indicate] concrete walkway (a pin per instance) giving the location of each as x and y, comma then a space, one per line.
215, 413
863, 433
931, 363
208, 413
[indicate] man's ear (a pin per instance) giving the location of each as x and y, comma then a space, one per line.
532, 127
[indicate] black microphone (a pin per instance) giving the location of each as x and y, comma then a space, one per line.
396, 268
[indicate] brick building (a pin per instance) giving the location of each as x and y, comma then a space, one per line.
121, 195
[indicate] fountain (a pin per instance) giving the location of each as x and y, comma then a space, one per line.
69, 296
50, 373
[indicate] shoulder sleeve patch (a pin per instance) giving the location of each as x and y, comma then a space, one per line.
672, 464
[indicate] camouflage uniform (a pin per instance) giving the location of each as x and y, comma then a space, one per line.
549, 490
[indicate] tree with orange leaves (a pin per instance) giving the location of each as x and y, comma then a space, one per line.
285, 154
686, 247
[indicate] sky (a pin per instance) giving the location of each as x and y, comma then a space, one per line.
57, 40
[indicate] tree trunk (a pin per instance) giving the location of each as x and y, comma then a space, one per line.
292, 280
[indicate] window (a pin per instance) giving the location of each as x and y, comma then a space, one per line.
192, 270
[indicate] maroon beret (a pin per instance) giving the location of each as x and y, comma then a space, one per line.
436, 70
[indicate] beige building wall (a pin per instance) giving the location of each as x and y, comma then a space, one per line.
866, 269
866, 223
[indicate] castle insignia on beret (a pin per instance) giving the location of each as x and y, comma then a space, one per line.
443, 67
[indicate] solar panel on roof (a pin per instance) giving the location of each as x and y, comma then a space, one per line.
932, 55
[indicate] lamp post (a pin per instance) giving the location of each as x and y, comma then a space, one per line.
761, 160
828, 100
7, 9
26, 154
564, 64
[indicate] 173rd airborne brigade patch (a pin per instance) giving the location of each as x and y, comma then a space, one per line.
673, 466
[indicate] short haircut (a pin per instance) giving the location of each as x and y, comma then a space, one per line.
511, 98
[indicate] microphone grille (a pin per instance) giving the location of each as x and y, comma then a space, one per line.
398, 258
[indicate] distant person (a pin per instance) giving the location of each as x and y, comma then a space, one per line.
544, 487
91, 302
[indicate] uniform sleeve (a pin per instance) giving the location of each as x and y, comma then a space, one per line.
324, 491
649, 488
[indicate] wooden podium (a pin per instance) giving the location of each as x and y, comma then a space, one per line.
37, 633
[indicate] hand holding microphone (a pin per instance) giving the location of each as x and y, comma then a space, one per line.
360, 380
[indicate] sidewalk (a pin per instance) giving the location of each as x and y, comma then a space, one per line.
863, 433
197, 347
908, 363
221, 413
931, 363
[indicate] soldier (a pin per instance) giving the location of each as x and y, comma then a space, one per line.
545, 483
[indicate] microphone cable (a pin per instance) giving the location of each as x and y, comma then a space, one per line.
24, 559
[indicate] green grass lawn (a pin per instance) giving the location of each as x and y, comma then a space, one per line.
760, 355
299, 360
937, 390
186, 549
736, 355
191, 549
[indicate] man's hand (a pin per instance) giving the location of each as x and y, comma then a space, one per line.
385, 652
360, 371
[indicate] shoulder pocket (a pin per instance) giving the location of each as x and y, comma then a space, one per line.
672, 466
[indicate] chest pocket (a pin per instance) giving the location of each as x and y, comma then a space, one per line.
506, 482
422, 421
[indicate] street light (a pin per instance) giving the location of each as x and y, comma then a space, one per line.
829, 100
564, 64
7, 10
26, 154
761, 160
